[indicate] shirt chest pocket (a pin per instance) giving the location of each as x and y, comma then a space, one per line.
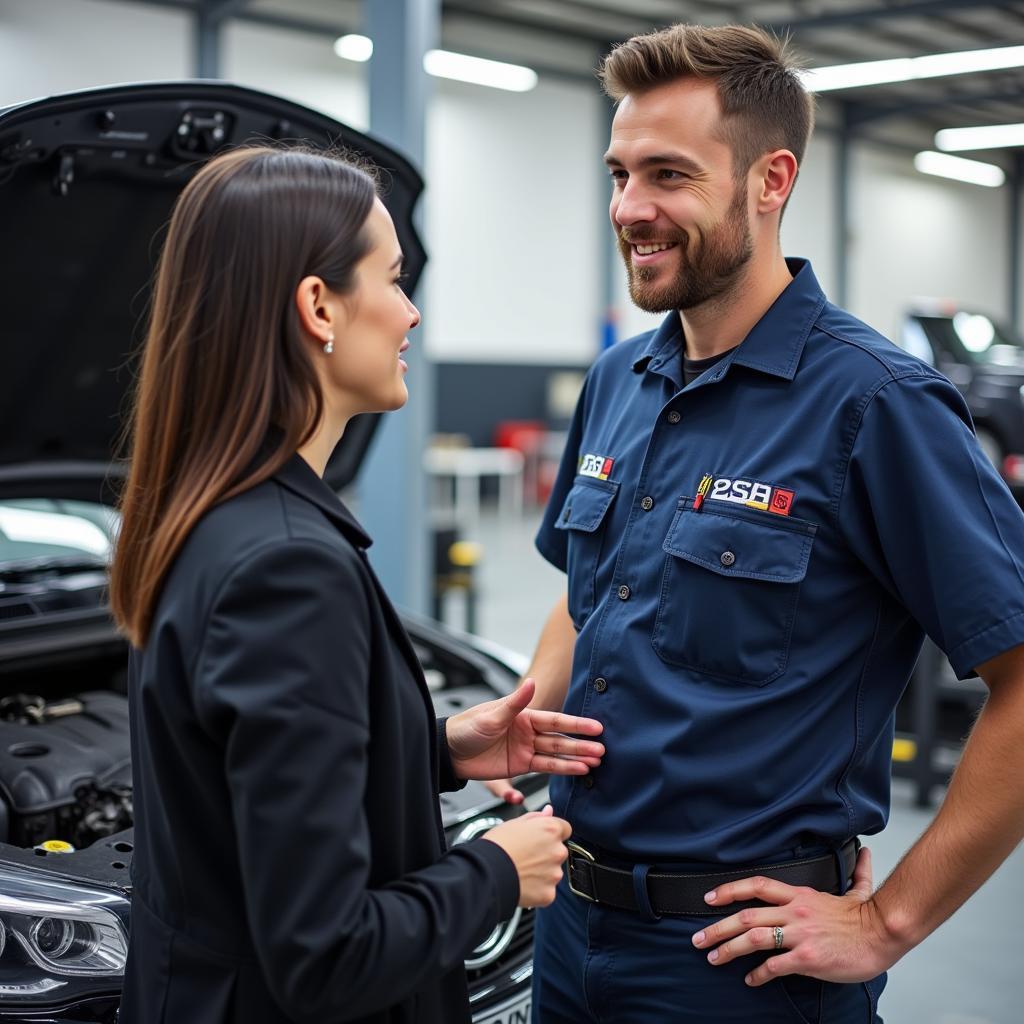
729, 593
583, 517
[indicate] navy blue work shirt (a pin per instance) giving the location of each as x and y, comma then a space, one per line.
753, 561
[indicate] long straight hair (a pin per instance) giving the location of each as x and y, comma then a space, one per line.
225, 366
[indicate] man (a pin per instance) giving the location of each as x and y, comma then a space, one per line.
762, 508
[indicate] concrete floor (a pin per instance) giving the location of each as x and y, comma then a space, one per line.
963, 974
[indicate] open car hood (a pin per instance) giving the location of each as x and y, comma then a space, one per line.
87, 181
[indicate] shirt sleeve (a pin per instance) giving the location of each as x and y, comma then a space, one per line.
295, 764
923, 508
551, 543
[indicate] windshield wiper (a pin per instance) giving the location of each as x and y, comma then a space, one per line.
51, 565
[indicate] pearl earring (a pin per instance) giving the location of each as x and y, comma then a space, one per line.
329, 345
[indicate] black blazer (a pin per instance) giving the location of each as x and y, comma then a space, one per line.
289, 862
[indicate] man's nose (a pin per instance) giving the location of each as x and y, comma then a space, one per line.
632, 206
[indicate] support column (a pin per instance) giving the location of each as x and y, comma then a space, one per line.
842, 209
1015, 182
392, 488
610, 250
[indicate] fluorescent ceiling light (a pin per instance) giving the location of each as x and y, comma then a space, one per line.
494, 73
358, 48
905, 69
993, 136
443, 64
973, 171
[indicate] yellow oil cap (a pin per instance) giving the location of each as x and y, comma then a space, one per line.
56, 846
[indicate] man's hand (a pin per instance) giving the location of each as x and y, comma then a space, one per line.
833, 938
504, 738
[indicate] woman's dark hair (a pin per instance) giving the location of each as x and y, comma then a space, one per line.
225, 360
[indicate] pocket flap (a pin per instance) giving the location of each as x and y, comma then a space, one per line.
586, 504
731, 546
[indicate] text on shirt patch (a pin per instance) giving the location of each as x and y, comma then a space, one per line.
751, 493
599, 466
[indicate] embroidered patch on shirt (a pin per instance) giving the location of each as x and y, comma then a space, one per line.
751, 493
597, 466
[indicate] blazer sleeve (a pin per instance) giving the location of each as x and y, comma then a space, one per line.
281, 682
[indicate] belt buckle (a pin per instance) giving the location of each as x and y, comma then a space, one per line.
575, 847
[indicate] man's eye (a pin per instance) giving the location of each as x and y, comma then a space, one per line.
665, 174
618, 176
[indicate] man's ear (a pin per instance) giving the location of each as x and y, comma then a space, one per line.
318, 315
776, 173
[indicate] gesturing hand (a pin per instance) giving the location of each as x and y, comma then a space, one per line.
504, 738
832, 938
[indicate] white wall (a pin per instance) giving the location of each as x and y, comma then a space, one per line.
912, 235
298, 66
514, 223
54, 46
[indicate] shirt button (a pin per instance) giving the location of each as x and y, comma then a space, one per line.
624, 592
647, 503
588, 781
727, 558
600, 684
674, 417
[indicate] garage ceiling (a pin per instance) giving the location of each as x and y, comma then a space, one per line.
565, 38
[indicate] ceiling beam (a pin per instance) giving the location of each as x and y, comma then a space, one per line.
884, 12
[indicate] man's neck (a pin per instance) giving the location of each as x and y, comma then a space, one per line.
723, 322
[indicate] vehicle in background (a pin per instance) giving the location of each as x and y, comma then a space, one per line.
985, 360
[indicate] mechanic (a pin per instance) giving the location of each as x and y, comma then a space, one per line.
762, 508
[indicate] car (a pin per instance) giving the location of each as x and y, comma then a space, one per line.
985, 360
87, 181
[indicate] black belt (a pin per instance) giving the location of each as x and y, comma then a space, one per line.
683, 893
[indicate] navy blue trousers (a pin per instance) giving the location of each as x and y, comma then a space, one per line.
597, 965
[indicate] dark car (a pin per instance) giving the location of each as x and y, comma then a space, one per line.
86, 185
985, 360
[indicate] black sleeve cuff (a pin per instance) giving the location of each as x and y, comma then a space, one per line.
447, 781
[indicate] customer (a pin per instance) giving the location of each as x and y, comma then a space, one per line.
289, 862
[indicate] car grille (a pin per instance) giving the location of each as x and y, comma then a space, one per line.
519, 951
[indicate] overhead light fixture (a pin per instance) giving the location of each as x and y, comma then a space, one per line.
956, 167
992, 136
444, 64
906, 69
358, 48
494, 73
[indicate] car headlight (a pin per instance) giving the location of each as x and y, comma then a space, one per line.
58, 937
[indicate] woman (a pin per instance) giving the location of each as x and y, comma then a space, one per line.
289, 862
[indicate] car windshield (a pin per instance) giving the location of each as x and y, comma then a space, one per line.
976, 338
55, 534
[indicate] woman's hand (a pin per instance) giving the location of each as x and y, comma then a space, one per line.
504, 738
536, 845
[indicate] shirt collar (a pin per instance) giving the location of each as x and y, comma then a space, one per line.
300, 478
774, 344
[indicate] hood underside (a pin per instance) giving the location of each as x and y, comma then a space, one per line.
87, 182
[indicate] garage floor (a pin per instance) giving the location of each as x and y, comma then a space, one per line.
966, 973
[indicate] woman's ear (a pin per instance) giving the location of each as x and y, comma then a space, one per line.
318, 310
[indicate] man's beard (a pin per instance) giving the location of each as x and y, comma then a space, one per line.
719, 255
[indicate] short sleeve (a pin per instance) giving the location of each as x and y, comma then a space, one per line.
925, 511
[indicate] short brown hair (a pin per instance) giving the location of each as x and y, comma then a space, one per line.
764, 103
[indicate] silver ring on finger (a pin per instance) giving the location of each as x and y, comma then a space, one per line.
777, 936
